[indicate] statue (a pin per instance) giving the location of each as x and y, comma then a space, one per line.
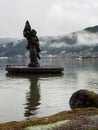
34, 50
33, 45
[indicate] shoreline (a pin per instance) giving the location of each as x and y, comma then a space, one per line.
76, 114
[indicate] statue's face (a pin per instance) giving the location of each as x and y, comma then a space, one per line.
33, 32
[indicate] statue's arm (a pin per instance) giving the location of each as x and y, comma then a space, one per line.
37, 44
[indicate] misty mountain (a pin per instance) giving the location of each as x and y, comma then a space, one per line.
84, 40
93, 29
80, 41
8, 40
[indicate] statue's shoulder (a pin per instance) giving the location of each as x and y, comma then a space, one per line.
35, 38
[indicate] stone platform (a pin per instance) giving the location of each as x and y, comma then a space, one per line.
34, 70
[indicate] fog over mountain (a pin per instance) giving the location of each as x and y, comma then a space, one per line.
7, 40
88, 36
82, 40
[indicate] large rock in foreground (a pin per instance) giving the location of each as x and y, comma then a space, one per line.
83, 98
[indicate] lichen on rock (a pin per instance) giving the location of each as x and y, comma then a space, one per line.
48, 126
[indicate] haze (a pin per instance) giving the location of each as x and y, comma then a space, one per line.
48, 17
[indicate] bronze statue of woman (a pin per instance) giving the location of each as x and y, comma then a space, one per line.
33, 45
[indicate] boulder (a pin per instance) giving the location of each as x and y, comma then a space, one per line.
83, 98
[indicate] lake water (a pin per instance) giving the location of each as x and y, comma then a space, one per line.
27, 96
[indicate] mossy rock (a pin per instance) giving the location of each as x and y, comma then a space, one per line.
71, 115
83, 98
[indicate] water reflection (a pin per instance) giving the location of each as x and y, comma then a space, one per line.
32, 97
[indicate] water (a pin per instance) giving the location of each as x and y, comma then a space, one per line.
26, 96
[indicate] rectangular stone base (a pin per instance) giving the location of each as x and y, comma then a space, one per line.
33, 70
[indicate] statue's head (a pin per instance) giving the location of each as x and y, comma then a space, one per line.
33, 32
27, 22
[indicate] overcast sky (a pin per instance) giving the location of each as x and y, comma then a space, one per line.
47, 17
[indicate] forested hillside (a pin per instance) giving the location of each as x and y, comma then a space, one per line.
80, 41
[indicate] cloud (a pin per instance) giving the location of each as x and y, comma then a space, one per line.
69, 16
86, 38
48, 17
59, 45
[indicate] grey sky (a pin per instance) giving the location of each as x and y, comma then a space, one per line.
48, 17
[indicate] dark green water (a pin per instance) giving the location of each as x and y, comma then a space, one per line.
26, 96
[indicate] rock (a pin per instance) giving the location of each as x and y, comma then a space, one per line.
83, 98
